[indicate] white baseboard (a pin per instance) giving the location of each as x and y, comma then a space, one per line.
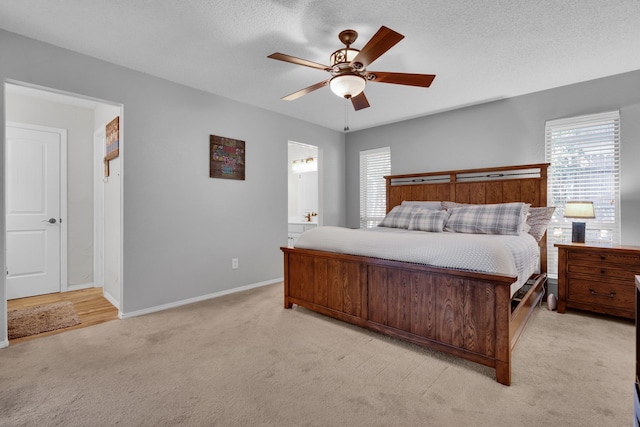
197, 299
114, 302
80, 286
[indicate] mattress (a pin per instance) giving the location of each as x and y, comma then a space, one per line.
498, 254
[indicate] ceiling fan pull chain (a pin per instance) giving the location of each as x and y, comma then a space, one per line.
346, 115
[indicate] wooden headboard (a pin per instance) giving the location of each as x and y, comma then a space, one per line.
523, 183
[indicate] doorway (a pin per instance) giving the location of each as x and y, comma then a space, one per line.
79, 217
304, 207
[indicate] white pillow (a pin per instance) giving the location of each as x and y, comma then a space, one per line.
434, 206
538, 221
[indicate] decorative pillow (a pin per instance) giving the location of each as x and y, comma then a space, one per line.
502, 218
524, 226
428, 220
538, 220
434, 206
451, 205
399, 217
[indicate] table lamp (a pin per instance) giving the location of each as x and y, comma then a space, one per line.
580, 210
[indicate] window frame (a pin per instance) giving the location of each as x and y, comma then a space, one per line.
589, 145
374, 165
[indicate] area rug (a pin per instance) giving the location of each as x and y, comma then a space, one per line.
23, 322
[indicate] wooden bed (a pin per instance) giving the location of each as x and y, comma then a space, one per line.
467, 314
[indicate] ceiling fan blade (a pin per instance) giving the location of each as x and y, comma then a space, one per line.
422, 80
288, 58
359, 101
305, 91
381, 42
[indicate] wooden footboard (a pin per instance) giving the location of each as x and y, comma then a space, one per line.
462, 313
467, 314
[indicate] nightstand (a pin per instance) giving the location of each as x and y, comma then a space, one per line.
598, 278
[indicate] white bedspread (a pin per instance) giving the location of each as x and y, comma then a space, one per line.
511, 255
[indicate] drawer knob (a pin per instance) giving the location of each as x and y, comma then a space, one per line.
603, 271
597, 294
602, 257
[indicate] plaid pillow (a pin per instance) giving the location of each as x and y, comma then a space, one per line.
432, 206
503, 218
538, 219
399, 217
451, 205
428, 220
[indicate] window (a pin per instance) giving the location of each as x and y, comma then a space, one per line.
584, 153
374, 165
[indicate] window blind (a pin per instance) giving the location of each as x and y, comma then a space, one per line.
584, 157
374, 165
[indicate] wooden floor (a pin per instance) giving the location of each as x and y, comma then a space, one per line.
91, 306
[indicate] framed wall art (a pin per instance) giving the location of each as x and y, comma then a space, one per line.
113, 139
226, 158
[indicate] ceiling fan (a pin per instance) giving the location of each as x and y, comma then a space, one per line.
348, 66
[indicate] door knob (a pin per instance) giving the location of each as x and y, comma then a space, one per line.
50, 220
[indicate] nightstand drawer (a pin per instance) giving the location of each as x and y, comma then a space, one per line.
603, 257
602, 293
596, 272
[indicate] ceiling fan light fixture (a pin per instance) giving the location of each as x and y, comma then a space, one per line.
343, 55
347, 85
348, 68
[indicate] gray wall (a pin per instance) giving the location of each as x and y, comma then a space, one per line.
506, 132
181, 228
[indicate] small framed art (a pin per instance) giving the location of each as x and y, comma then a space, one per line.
113, 139
226, 158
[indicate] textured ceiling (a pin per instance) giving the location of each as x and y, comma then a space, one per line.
480, 50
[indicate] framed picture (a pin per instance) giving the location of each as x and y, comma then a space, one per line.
113, 139
226, 158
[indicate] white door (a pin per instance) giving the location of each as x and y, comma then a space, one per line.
33, 210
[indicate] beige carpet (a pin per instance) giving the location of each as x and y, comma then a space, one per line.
23, 322
242, 360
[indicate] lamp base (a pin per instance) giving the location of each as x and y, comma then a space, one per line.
578, 232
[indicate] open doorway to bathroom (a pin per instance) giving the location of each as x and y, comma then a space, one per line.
304, 208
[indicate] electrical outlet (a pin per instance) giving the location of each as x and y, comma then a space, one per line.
234, 263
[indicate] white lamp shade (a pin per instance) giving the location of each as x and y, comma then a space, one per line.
347, 85
579, 210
